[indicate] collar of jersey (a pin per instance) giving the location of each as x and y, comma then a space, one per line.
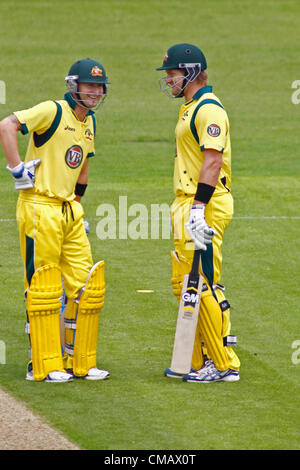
202, 91
72, 103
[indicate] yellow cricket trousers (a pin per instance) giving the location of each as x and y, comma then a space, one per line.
52, 231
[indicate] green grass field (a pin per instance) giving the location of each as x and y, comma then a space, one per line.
253, 59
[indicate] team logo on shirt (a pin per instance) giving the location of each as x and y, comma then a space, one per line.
88, 134
185, 115
213, 130
74, 156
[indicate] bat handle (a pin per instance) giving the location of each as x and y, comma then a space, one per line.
196, 260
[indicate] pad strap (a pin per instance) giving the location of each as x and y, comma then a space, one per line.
225, 305
230, 340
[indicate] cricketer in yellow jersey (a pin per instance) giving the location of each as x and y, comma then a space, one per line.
202, 180
53, 240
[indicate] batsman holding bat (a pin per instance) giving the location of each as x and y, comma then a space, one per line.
54, 243
202, 209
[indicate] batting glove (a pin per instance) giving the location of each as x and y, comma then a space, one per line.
24, 173
201, 233
86, 226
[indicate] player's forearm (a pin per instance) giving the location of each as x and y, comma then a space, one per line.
83, 178
211, 167
9, 140
209, 176
82, 182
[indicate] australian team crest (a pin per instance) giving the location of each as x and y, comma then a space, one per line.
88, 134
74, 156
96, 71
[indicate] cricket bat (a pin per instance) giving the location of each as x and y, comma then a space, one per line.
187, 319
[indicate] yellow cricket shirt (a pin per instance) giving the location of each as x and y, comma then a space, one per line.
61, 141
202, 124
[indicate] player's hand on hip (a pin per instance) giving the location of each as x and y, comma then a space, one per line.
201, 233
24, 173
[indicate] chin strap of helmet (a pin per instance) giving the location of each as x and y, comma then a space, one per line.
184, 84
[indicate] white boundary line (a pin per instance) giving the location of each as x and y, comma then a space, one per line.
246, 217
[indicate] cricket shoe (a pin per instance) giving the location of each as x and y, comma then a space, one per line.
211, 374
94, 374
57, 376
174, 375
208, 364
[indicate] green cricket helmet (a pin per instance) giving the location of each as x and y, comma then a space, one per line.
185, 57
86, 71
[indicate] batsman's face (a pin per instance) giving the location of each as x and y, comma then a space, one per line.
90, 93
174, 80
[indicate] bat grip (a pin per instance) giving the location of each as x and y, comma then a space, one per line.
195, 265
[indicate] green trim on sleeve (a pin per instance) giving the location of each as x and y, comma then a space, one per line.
24, 129
91, 154
211, 147
192, 123
41, 139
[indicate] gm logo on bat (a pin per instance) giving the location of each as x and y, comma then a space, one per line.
190, 298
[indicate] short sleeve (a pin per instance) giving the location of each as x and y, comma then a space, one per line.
212, 126
38, 118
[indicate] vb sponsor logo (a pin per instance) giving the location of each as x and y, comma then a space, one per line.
74, 156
